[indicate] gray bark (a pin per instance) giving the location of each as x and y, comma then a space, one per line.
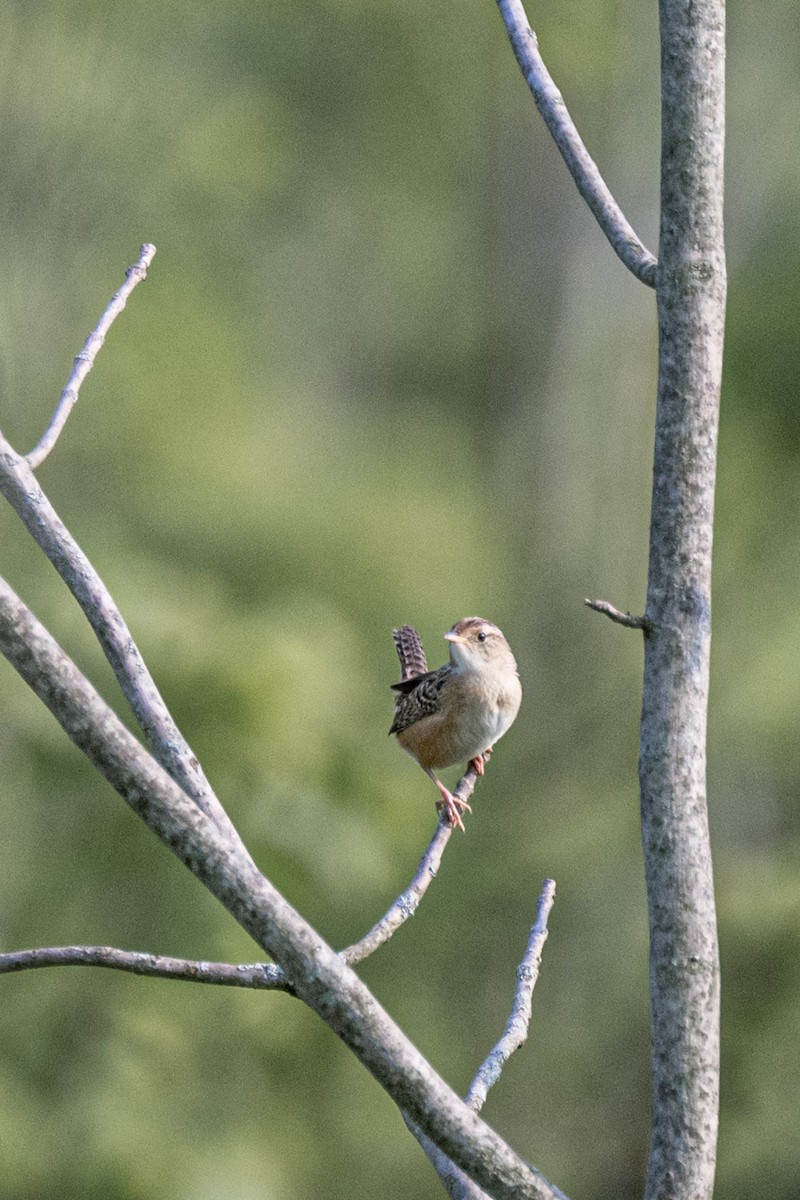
690, 290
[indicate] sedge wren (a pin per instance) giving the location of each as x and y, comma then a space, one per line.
455, 714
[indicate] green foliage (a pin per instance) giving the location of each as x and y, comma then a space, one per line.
384, 369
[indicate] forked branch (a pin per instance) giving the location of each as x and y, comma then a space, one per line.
458, 1185
317, 973
245, 975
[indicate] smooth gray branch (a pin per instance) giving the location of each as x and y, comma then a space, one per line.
407, 902
21, 488
266, 976
316, 972
516, 1031
85, 360
582, 167
622, 618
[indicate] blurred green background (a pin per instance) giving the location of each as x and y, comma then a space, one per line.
384, 369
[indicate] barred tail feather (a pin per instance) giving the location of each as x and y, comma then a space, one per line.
409, 650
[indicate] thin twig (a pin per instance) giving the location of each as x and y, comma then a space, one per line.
622, 618
582, 167
21, 488
85, 360
458, 1185
516, 1031
407, 902
265, 976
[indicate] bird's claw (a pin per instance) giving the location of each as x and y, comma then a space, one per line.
452, 807
477, 764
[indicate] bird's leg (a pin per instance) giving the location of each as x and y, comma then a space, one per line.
451, 805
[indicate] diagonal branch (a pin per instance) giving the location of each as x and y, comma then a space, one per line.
21, 488
515, 1033
407, 902
270, 977
584, 170
85, 360
254, 975
456, 1183
248, 974
317, 974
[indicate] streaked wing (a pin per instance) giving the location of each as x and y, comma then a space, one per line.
418, 698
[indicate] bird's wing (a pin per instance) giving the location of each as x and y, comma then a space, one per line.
418, 698
409, 650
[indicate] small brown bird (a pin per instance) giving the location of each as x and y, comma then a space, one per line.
455, 714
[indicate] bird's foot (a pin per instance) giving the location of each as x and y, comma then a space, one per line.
477, 764
452, 807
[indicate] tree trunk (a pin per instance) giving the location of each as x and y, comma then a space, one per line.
690, 289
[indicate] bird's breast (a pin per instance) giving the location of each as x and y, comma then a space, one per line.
473, 713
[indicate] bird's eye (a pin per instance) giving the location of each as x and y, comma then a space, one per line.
481, 636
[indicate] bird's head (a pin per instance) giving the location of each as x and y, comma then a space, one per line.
478, 645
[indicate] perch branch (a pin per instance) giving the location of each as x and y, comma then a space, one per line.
622, 618
582, 167
407, 902
85, 360
317, 974
21, 488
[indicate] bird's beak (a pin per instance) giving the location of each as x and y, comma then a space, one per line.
454, 637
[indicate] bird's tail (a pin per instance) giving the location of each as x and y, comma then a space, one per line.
409, 650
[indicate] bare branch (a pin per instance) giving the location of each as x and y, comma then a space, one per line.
21, 488
407, 902
252, 975
316, 972
582, 167
622, 618
516, 1031
264, 976
85, 360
